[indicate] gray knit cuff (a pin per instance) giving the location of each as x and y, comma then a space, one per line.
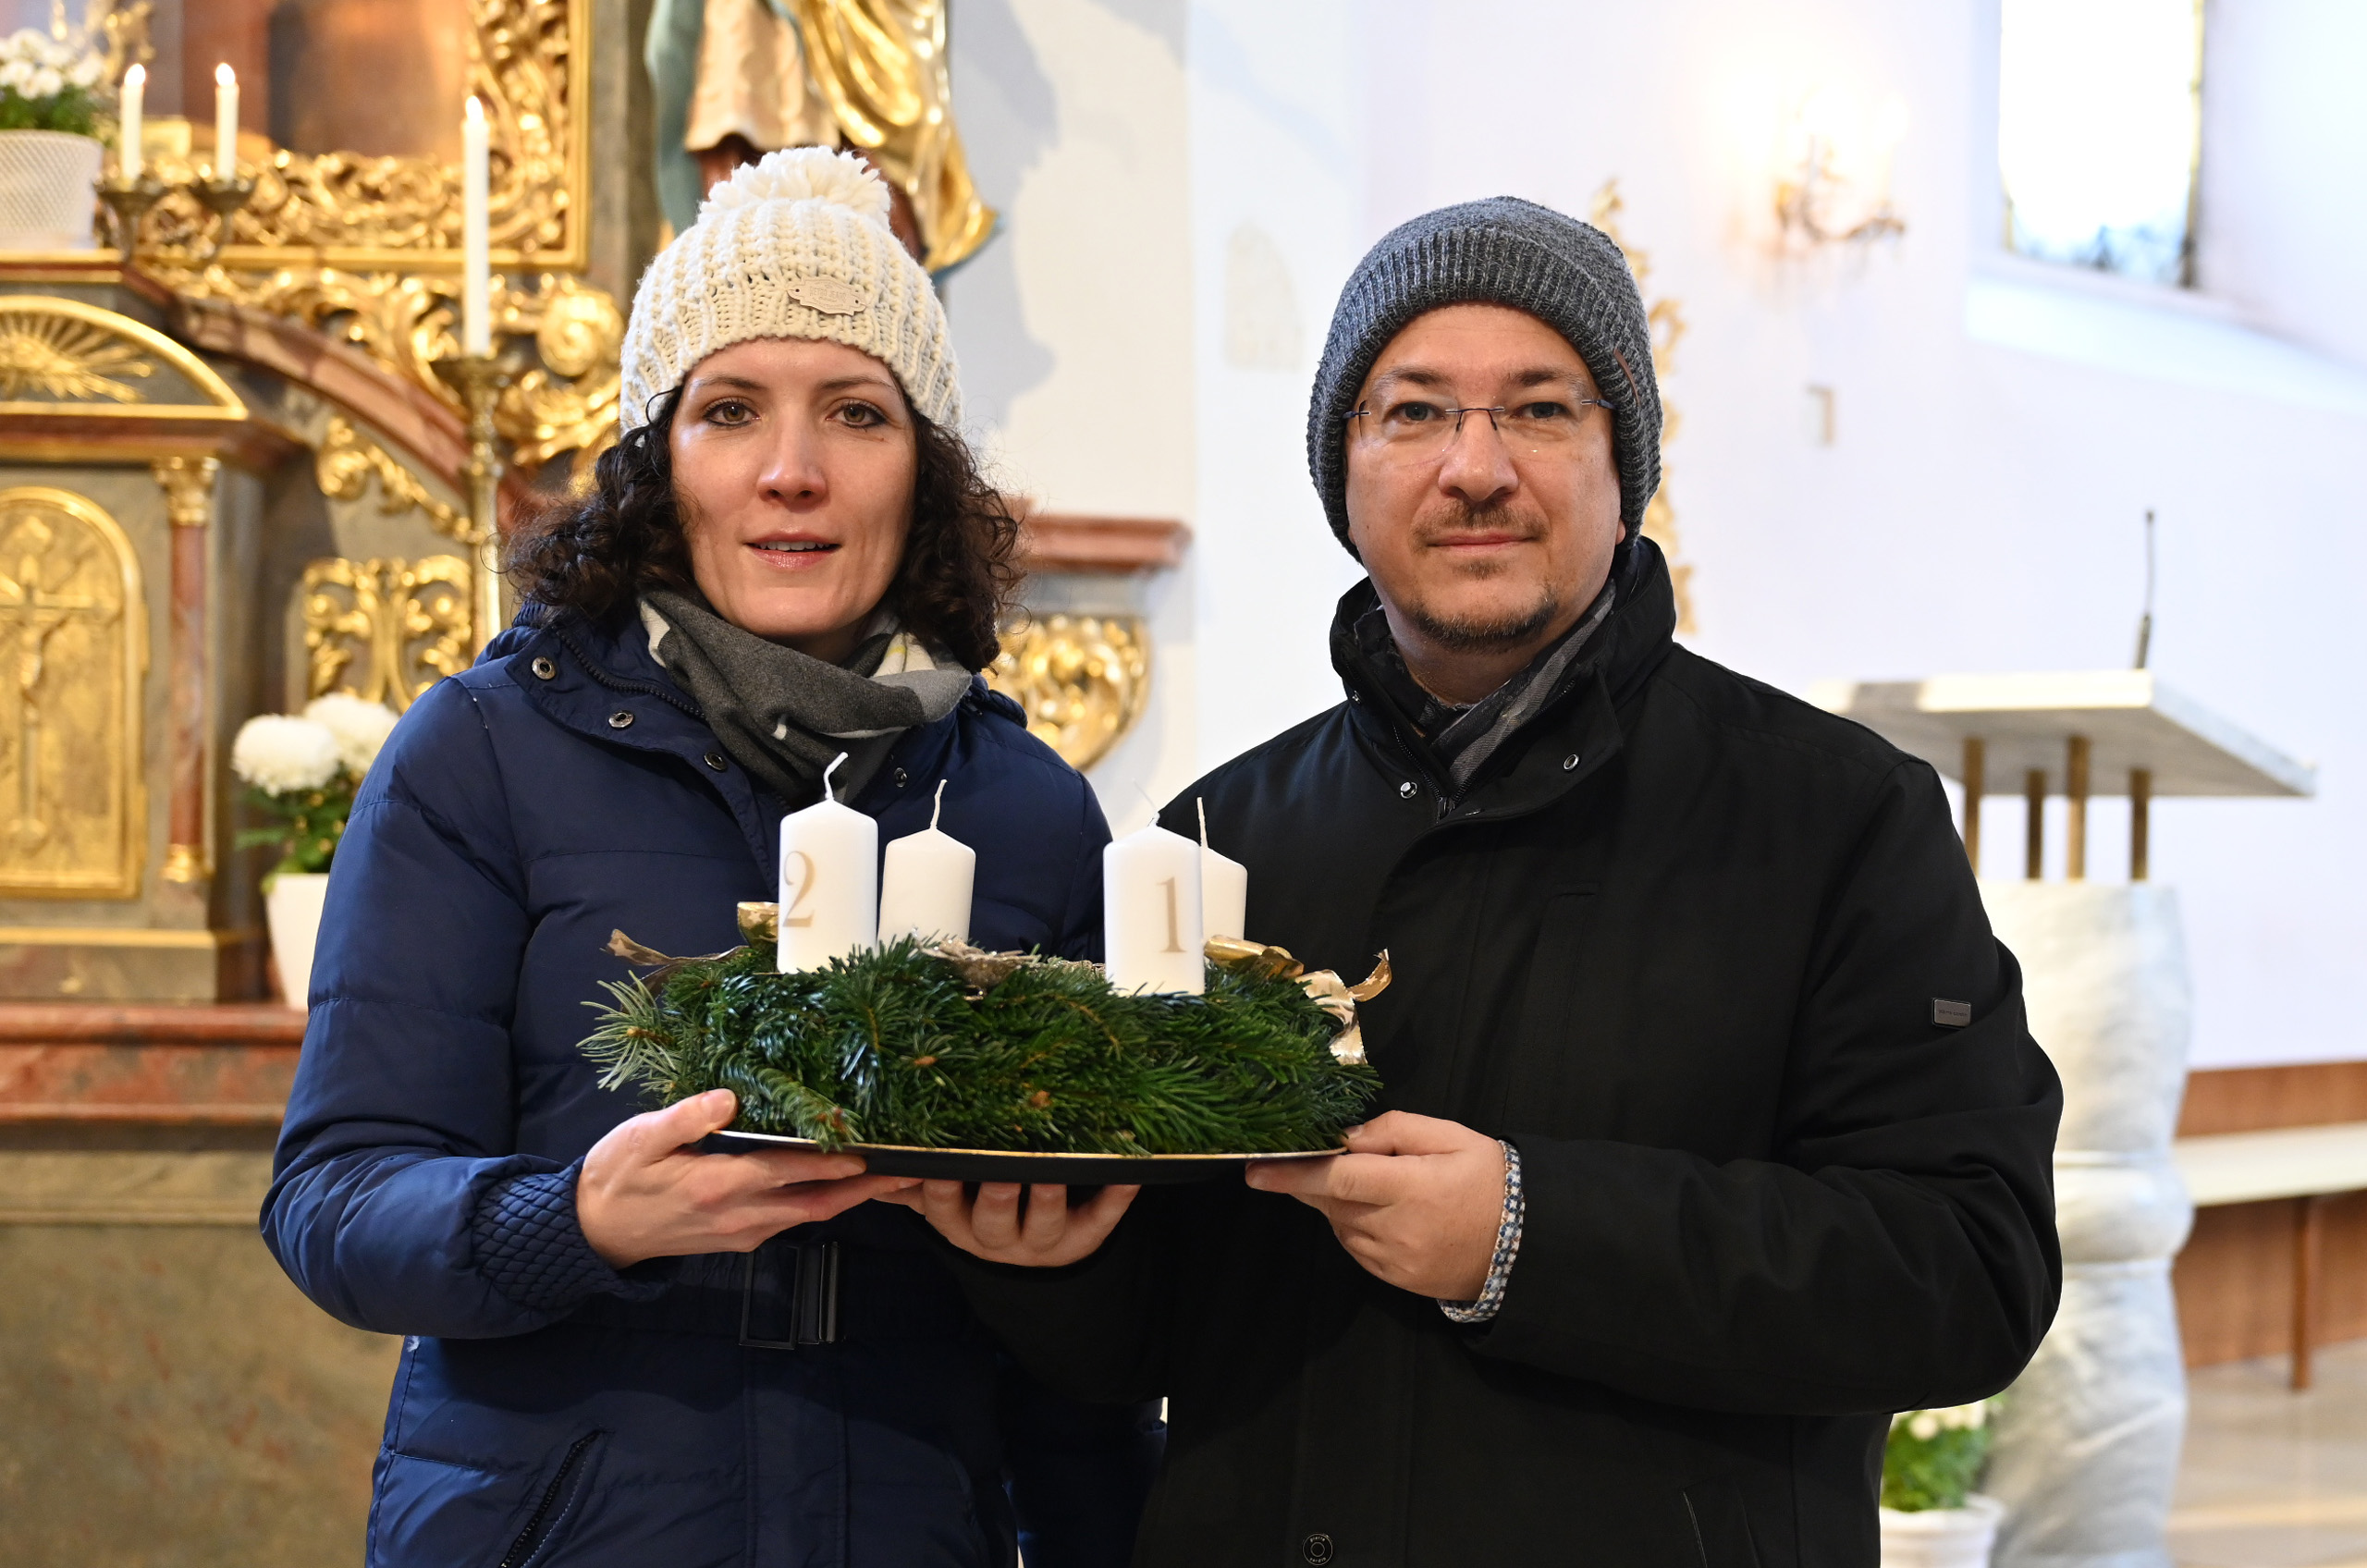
530, 1246
1500, 1269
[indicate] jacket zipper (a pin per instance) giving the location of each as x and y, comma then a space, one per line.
530, 1540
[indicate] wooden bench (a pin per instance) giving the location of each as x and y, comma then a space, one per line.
2307, 1165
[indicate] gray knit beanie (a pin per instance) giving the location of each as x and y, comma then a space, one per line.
1500, 252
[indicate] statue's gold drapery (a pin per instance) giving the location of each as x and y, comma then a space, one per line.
76, 626
1666, 319
882, 66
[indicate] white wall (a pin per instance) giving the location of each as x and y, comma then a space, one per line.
2000, 427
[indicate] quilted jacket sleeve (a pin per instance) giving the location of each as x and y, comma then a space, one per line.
396, 1202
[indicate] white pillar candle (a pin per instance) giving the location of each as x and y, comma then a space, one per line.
829, 882
135, 102
226, 122
1224, 889
1150, 900
476, 227
924, 890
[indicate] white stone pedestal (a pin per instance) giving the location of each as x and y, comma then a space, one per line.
2087, 1447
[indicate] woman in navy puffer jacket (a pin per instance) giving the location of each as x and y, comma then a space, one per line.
620, 1351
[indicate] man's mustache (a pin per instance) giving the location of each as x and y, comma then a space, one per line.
1444, 529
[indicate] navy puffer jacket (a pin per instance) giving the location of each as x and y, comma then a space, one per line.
831, 1402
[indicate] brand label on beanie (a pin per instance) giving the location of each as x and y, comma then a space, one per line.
831, 296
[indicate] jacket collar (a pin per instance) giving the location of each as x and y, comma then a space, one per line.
1578, 723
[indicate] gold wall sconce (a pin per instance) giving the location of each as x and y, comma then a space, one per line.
1833, 171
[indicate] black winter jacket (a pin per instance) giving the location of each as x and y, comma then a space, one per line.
1680, 943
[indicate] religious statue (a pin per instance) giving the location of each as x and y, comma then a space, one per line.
736, 79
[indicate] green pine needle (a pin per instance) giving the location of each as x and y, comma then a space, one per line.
888, 1046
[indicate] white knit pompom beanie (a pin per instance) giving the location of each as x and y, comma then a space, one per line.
795, 245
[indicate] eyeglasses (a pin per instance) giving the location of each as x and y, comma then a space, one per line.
1413, 429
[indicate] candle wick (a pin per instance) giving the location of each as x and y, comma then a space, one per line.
938, 810
1203, 807
827, 793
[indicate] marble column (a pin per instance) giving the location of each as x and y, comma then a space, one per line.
2087, 1446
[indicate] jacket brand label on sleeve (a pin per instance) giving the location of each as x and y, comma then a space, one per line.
1951, 1015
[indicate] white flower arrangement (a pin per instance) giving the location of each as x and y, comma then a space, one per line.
360, 728
1933, 1458
303, 772
282, 756
49, 83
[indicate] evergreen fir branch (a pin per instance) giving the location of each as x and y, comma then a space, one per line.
890, 1047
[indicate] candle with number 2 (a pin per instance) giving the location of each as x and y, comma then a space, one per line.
1151, 896
829, 882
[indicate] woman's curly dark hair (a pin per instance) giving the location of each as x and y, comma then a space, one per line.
595, 555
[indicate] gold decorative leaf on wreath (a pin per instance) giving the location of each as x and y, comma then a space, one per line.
1082, 679
68, 359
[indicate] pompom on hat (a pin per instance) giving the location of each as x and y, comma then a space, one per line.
795, 245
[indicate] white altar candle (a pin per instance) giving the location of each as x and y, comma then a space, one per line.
135, 100
226, 122
1150, 900
1224, 889
925, 891
477, 261
829, 882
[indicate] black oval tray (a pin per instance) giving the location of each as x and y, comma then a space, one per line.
1005, 1165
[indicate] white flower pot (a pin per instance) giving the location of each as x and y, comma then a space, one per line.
48, 189
293, 910
1941, 1538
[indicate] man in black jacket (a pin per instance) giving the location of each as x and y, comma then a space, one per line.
1714, 1132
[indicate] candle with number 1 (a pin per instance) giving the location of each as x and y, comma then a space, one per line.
829, 882
1150, 900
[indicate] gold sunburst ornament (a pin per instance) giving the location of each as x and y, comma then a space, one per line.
71, 360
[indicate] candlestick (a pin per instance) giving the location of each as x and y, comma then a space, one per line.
129, 159
924, 888
1224, 887
480, 380
829, 881
476, 264
1150, 899
226, 122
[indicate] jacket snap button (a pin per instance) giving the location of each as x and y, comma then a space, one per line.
901, 777
620, 720
715, 760
543, 669
1317, 1550
1570, 761
1406, 791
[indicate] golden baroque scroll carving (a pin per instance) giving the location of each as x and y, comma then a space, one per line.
76, 621
407, 322
529, 62
1666, 319
385, 630
1082, 679
347, 462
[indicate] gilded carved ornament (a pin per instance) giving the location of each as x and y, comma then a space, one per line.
347, 462
385, 630
57, 351
75, 618
1082, 679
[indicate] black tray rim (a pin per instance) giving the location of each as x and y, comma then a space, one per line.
1180, 1165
